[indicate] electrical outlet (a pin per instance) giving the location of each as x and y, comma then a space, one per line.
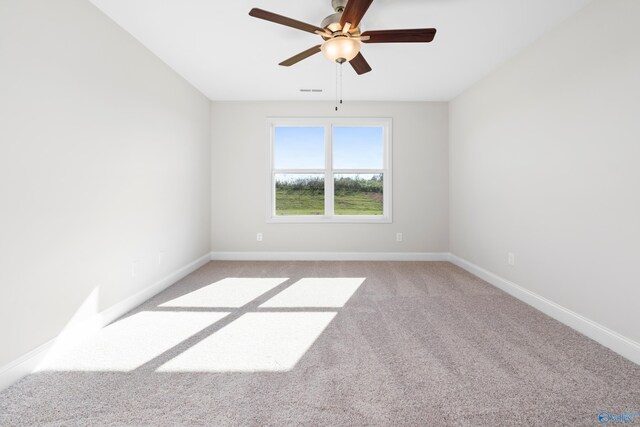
259, 237
160, 257
398, 237
511, 258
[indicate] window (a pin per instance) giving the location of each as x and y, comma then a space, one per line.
330, 170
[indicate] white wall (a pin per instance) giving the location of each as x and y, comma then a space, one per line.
545, 163
420, 181
104, 160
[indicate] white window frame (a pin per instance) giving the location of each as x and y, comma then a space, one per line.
329, 172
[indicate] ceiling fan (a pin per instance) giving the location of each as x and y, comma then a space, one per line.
342, 34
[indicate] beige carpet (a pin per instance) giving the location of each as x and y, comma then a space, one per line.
423, 344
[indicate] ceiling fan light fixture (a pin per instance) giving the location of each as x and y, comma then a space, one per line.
341, 49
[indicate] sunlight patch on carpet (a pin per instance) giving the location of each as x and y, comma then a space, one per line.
317, 292
255, 342
230, 292
131, 342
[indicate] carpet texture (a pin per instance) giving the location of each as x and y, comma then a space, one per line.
418, 343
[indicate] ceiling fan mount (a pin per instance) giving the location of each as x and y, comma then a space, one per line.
342, 36
338, 5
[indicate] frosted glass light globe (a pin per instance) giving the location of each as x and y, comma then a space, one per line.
340, 49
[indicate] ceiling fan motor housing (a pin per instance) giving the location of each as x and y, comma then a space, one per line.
332, 23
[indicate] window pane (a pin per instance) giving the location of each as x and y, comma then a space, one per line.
358, 194
298, 148
358, 148
298, 194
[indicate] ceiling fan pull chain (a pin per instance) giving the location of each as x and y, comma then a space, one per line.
336, 86
341, 82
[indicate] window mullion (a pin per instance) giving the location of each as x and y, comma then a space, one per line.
328, 176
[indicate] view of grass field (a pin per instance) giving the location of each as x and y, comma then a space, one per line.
354, 195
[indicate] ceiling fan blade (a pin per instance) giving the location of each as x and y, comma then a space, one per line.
421, 35
299, 57
283, 20
354, 11
360, 64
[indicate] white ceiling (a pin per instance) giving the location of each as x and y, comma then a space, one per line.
229, 55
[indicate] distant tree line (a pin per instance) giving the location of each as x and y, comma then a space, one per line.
343, 185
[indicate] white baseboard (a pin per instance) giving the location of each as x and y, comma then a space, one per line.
329, 256
27, 363
603, 335
14, 371
112, 313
